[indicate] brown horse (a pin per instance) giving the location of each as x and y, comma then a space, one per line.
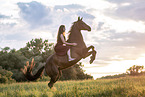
55, 63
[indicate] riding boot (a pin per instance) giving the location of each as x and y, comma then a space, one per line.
69, 56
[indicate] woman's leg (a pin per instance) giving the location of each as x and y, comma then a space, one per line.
69, 56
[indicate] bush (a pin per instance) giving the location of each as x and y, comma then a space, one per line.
5, 76
3, 79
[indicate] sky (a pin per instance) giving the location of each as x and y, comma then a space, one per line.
118, 28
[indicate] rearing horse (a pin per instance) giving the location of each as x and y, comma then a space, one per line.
55, 63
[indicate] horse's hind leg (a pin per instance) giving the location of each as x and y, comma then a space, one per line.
54, 78
59, 75
55, 75
52, 81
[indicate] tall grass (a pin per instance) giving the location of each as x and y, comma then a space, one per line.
119, 87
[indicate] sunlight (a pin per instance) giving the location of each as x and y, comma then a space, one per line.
115, 67
141, 60
122, 66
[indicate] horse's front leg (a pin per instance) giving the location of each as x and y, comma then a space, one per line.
86, 53
93, 56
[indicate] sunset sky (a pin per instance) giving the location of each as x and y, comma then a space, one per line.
118, 28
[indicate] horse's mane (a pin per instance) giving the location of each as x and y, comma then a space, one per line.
72, 26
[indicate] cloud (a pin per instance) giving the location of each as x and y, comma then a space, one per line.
35, 14
38, 15
4, 16
73, 10
127, 39
69, 13
5, 22
20, 36
127, 9
85, 15
100, 25
120, 46
119, 1
69, 7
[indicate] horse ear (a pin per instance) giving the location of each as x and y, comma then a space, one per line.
78, 18
81, 18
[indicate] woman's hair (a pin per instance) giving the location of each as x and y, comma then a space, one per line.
60, 31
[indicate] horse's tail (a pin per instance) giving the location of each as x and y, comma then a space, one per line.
27, 71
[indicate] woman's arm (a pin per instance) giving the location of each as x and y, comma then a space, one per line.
64, 42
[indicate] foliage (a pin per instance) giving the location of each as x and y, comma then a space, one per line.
120, 87
39, 48
13, 61
135, 70
114, 76
5, 76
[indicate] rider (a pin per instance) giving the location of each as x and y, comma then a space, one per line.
62, 47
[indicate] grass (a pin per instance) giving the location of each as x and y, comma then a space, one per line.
118, 87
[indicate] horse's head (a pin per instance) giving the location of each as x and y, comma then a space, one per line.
82, 25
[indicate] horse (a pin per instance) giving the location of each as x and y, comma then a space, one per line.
55, 64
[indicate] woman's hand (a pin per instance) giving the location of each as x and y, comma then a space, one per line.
64, 44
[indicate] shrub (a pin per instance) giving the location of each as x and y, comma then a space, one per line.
5, 76
3, 79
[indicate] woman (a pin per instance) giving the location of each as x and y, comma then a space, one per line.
62, 47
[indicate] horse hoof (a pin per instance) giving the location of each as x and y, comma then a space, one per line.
50, 85
91, 46
91, 61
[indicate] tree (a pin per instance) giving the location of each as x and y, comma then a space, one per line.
5, 50
38, 47
13, 61
135, 70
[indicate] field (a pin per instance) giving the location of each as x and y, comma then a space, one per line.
119, 87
